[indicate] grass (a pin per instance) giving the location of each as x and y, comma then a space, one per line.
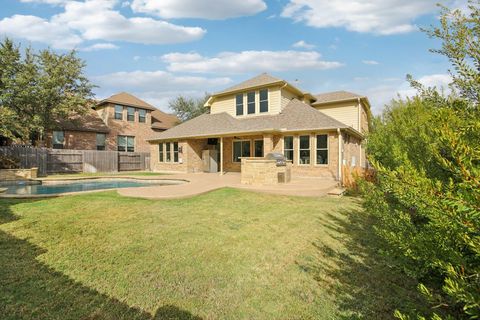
228, 254
102, 174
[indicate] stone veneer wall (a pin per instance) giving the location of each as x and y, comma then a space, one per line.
18, 174
259, 171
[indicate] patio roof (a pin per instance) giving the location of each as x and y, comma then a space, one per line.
296, 116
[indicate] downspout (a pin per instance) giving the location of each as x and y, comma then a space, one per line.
339, 155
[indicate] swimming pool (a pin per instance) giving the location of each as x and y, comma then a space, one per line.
59, 187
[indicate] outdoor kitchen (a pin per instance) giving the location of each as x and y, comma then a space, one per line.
269, 170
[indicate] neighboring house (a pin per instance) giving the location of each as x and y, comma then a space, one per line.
318, 133
121, 122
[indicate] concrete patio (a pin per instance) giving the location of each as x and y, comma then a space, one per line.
199, 183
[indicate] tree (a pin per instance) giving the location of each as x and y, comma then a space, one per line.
426, 198
188, 108
39, 89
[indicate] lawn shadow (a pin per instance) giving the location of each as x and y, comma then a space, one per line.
30, 289
362, 281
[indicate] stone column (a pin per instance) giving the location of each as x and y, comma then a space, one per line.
267, 143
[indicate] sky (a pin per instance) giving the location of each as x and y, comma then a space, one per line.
159, 49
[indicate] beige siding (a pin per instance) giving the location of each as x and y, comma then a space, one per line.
224, 104
287, 96
346, 113
274, 98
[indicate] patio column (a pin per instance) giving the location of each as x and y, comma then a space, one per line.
221, 155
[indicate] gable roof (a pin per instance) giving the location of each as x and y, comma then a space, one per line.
335, 96
89, 122
127, 99
260, 80
296, 116
162, 120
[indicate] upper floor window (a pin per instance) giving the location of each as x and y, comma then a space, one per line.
264, 100
142, 115
239, 104
322, 149
58, 139
251, 102
119, 112
101, 138
131, 114
288, 147
304, 150
126, 143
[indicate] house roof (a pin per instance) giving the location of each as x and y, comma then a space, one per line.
296, 116
162, 120
89, 122
260, 80
128, 100
335, 96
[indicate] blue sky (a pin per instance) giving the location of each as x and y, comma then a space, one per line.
157, 49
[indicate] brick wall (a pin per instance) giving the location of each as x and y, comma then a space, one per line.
77, 140
190, 159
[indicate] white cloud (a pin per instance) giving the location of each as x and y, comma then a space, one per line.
95, 20
247, 61
439, 81
204, 9
376, 16
370, 62
100, 46
37, 29
157, 87
303, 44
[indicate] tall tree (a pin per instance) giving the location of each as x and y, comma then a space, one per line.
39, 89
186, 108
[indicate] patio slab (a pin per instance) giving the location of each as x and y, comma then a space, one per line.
200, 183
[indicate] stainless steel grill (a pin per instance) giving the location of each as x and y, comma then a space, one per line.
278, 157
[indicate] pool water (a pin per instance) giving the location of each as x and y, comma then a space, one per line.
25, 189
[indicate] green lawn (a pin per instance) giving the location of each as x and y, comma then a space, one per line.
228, 254
101, 174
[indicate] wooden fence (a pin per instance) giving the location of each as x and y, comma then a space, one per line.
51, 161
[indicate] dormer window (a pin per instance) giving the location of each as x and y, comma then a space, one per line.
264, 100
251, 102
239, 104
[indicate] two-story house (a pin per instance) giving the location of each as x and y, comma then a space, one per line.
318, 133
121, 122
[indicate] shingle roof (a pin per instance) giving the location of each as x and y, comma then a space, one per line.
260, 80
162, 120
128, 100
90, 122
296, 116
335, 96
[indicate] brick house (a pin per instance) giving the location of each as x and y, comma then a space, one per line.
121, 122
318, 133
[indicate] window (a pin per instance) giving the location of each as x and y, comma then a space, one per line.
264, 100
258, 148
241, 149
169, 155
101, 137
251, 102
58, 139
160, 153
288, 147
304, 150
239, 104
175, 151
126, 143
119, 112
322, 149
130, 114
142, 115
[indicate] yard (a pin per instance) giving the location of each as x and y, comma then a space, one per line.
228, 254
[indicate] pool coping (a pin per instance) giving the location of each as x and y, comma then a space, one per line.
76, 179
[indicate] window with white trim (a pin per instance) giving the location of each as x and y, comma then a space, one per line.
118, 112
58, 139
101, 138
161, 154
126, 143
322, 149
239, 104
142, 115
175, 151
304, 150
251, 102
131, 114
241, 148
288, 147
168, 153
263, 100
